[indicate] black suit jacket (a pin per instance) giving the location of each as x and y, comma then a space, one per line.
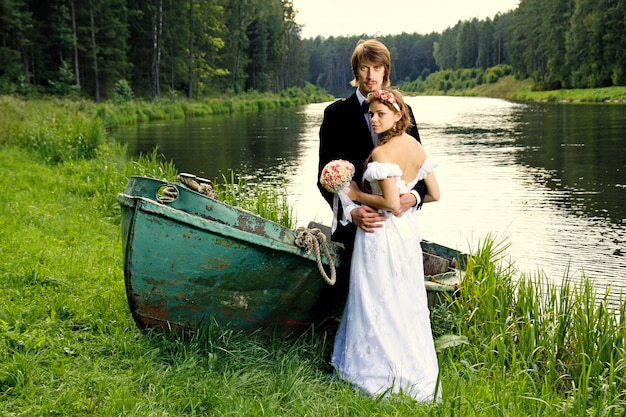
344, 134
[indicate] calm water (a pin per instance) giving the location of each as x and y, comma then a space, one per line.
547, 179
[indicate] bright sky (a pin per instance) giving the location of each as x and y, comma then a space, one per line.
379, 17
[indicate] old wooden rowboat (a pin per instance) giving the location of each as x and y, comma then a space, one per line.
191, 260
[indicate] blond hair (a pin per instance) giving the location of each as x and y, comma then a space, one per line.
372, 51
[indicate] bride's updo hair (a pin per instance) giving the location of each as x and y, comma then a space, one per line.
393, 99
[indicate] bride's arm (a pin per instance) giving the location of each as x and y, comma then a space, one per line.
390, 200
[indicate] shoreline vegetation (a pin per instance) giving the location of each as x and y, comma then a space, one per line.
499, 82
69, 346
512, 89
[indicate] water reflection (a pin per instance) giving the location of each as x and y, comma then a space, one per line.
581, 148
542, 176
256, 145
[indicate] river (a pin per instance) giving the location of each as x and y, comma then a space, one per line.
546, 179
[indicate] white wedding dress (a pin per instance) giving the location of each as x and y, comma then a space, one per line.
384, 342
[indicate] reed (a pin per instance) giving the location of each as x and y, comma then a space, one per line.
562, 342
267, 199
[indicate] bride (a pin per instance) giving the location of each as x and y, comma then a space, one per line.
384, 343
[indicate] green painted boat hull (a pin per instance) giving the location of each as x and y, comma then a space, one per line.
190, 261
195, 260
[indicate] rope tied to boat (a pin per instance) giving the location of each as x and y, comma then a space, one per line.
311, 240
198, 184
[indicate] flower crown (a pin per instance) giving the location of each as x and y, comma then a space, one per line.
385, 96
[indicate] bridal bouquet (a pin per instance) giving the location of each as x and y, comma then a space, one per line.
335, 177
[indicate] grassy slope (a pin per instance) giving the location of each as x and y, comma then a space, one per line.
510, 88
69, 347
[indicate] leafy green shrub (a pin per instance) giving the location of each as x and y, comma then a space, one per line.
122, 92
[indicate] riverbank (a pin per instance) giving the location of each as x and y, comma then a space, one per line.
500, 82
511, 89
46, 111
69, 347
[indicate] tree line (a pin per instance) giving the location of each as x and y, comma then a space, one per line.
198, 48
556, 43
190, 47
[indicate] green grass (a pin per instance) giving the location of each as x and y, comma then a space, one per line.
510, 88
534, 348
575, 95
472, 83
266, 199
66, 131
69, 346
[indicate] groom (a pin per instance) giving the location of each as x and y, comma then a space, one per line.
345, 134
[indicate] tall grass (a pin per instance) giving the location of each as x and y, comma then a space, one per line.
266, 199
586, 95
57, 131
499, 82
563, 347
60, 138
69, 347
63, 131
139, 111
53, 121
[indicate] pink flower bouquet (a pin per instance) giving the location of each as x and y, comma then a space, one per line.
335, 177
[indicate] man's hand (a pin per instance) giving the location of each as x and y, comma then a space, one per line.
407, 200
367, 218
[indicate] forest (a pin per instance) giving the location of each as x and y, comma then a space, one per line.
201, 48
194, 48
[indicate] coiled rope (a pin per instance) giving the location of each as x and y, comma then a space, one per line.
310, 240
198, 184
